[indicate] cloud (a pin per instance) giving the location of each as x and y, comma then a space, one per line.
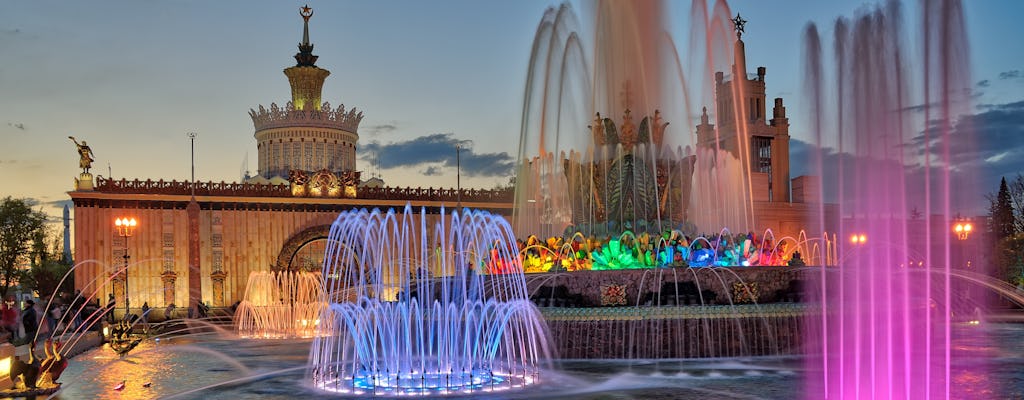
61, 203
437, 151
1011, 74
983, 147
10, 32
380, 128
992, 139
984, 83
18, 125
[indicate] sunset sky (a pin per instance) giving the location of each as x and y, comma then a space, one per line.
133, 77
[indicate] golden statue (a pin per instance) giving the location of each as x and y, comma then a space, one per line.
85, 154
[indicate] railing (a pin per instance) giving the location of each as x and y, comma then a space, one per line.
673, 312
437, 194
149, 186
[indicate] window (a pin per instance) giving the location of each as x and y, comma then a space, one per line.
168, 259
763, 154
309, 156
319, 158
331, 165
276, 163
218, 260
287, 156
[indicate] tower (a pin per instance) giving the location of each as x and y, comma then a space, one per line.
67, 234
743, 127
306, 134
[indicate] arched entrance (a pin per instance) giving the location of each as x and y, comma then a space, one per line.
304, 251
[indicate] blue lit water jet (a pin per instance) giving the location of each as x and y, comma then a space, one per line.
413, 309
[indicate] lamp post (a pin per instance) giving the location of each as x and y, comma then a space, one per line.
962, 229
125, 228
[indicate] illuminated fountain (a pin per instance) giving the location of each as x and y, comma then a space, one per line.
596, 152
673, 249
414, 311
894, 331
280, 304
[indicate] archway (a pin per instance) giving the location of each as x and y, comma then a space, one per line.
304, 250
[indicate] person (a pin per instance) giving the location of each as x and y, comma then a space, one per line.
53, 317
202, 310
85, 155
77, 303
29, 319
111, 303
9, 317
169, 312
145, 315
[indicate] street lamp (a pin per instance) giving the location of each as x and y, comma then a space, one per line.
962, 228
125, 228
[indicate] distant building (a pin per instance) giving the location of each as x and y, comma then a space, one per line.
199, 241
785, 205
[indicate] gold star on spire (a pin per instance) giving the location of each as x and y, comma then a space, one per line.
737, 24
306, 12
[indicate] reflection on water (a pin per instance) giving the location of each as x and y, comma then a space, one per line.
275, 370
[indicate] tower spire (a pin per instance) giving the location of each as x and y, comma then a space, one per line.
305, 57
306, 12
305, 78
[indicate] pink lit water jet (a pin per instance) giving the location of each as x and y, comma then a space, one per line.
887, 331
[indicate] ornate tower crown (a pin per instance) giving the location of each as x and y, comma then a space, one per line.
305, 134
289, 116
306, 79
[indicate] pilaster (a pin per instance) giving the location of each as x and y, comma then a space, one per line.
195, 289
168, 278
218, 278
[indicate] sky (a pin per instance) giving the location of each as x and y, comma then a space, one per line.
134, 77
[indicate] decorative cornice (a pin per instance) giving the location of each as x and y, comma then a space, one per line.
288, 116
183, 188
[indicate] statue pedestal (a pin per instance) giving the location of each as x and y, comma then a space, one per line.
84, 181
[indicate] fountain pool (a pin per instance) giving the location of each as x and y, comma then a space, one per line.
225, 367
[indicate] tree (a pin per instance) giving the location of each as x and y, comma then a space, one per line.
19, 225
1009, 257
1001, 213
1016, 189
48, 265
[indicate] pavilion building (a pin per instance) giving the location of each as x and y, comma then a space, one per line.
199, 241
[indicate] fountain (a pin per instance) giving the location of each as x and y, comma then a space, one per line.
413, 309
430, 305
894, 330
582, 172
280, 304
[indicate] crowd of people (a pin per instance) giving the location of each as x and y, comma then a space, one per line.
43, 319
